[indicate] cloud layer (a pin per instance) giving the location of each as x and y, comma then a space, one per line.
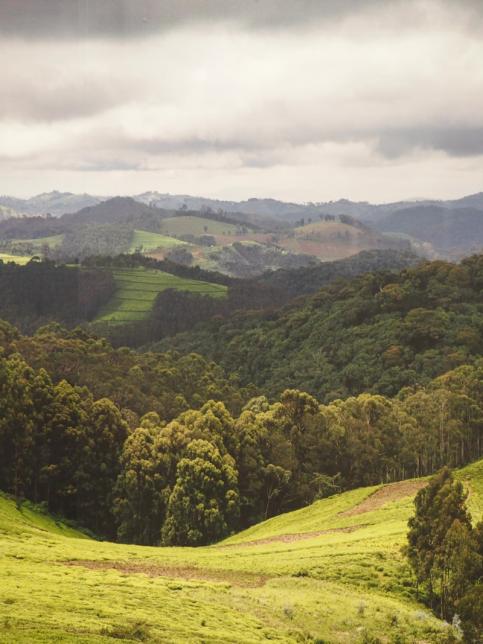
182, 96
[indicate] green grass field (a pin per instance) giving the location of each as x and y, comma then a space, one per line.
53, 241
331, 572
137, 288
151, 241
196, 226
17, 259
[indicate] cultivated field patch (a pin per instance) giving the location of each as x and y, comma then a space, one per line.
137, 289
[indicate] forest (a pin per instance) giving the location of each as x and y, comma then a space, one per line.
152, 447
247, 414
378, 332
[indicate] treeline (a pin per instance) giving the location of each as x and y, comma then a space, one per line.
39, 292
195, 477
378, 332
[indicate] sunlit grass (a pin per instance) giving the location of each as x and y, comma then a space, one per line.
336, 587
137, 289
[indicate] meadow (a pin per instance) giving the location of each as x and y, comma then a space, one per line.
196, 226
52, 241
137, 289
331, 572
142, 239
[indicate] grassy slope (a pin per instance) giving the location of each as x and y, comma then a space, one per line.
137, 289
53, 241
150, 241
195, 226
336, 587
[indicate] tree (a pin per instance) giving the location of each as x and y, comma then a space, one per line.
204, 504
16, 426
438, 505
444, 550
105, 433
142, 488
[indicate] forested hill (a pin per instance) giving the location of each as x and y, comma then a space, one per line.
379, 332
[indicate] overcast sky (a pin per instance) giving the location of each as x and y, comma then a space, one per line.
302, 100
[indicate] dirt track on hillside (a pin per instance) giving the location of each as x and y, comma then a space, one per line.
290, 538
386, 494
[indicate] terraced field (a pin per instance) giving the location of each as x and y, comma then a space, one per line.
147, 241
137, 288
331, 572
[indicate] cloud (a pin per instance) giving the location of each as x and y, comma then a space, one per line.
273, 89
454, 141
126, 18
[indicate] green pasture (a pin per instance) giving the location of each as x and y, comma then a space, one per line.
53, 241
150, 241
137, 288
349, 586
196, 226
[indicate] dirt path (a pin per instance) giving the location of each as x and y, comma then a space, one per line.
386, 494
187, 573
289, 538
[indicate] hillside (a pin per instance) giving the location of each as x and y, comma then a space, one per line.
378, 333
302, 281
331, 572
218, 242
451, 231
137, 288
55, 203
144, 241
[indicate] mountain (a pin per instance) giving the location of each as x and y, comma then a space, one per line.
118, 210
54, 203
290, 212
326, 230
58, 203
451, 231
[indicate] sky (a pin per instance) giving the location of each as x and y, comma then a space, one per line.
300, 100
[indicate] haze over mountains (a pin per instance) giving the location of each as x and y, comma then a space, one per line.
452, 228
58, 203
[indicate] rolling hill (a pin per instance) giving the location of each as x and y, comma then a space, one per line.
56, 203
331, 572
378, 332
147, 242
195, 225
451, 231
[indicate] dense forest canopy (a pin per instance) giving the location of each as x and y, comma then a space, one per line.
155, 448
378, 332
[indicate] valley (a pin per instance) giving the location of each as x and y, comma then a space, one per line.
343, 584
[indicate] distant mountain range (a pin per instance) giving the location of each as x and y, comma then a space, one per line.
449, 228
58, 203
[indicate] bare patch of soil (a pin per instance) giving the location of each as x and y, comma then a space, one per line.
290, 538
386, 494
187, 573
